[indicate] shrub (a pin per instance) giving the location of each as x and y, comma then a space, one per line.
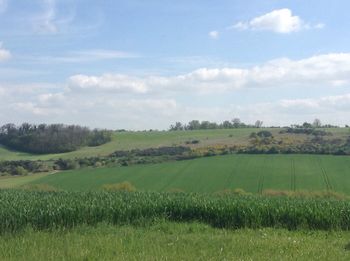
20, 171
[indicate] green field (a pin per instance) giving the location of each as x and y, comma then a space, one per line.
253, 173
174, 241
140, 140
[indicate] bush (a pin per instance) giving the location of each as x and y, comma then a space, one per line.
19, 171
66, 164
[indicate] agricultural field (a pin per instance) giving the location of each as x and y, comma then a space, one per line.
42, 210
252, 173
144, 139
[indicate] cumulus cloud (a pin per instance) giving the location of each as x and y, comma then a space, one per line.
4, 54
321, 70
109, 82
278, 21
214, 34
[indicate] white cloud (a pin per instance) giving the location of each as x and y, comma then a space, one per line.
108, 82
153, 101
317, 71
214, 34
145, 113
278, 21
4, 54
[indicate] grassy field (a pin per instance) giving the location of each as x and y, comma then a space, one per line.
174, 241
132, 140
252, 173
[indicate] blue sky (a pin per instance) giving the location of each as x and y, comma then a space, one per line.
146, 64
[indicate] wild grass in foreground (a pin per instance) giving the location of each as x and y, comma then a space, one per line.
174, 241
49, 210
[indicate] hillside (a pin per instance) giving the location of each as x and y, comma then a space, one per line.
140, 140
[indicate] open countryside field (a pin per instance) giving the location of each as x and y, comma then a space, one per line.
141, 140
253, 173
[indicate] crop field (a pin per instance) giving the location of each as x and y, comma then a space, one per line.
140, 140
253, 173
50, 210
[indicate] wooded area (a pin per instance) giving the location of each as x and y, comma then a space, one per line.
54, 138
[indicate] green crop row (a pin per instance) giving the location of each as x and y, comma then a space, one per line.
46, 210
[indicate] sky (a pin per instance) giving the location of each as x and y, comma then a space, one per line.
145, 64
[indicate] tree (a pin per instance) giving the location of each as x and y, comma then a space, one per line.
258, 124
205, 125
307, 125
236, 122
226, 125
193, 125
177, 126
317, 123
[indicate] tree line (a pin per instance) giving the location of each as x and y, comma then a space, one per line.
206, 125
53, 138
237, 123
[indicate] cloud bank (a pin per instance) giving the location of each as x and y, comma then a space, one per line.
321, 70
154, 101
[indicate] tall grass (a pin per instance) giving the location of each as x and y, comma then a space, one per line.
46, 210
